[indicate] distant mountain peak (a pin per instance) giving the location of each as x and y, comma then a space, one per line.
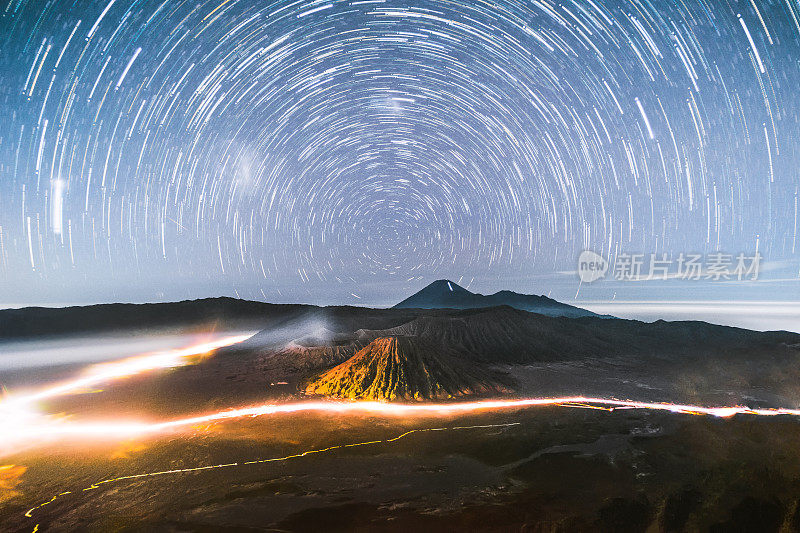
445, 294
445, 285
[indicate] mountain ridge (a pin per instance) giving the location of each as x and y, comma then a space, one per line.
450, 351
403, 367
446, 294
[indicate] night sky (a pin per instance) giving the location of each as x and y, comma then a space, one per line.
353, 151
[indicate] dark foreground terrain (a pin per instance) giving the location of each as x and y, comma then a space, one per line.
540, 470
544, 469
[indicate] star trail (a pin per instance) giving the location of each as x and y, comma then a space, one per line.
280, 149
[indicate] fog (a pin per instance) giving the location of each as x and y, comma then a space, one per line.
759, 316
26, 359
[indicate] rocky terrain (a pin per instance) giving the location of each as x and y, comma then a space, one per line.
297, 345
554, 469
405, 368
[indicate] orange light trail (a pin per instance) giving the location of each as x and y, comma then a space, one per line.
50, 430
21, 422
106, 372
24, 426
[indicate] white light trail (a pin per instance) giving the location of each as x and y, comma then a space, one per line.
128, 67
30, 430
105, 372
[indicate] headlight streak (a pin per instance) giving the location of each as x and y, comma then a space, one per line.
23, 423
44, 430
26, 427
386, 409
105, 372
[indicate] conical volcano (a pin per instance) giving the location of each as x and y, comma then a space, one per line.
445, 294
442, 294
404, 368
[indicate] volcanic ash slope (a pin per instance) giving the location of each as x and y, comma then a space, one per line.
404, 368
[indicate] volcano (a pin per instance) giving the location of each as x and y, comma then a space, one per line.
405, 368
446, 294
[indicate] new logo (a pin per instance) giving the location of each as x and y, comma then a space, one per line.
591, 267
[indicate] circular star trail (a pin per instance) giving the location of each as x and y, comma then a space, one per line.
288, 148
